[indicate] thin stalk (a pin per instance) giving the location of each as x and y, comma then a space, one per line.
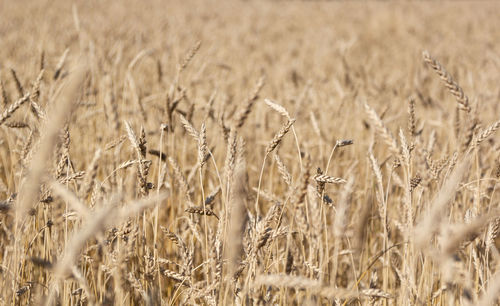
257, 209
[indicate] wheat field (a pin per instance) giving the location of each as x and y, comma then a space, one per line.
249, 153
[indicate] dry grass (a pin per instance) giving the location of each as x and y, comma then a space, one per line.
259, 152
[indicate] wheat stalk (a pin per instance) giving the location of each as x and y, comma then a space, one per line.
382, 130
13, 107
279, 136
448, 81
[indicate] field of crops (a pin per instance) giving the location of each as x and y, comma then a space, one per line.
249, 153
